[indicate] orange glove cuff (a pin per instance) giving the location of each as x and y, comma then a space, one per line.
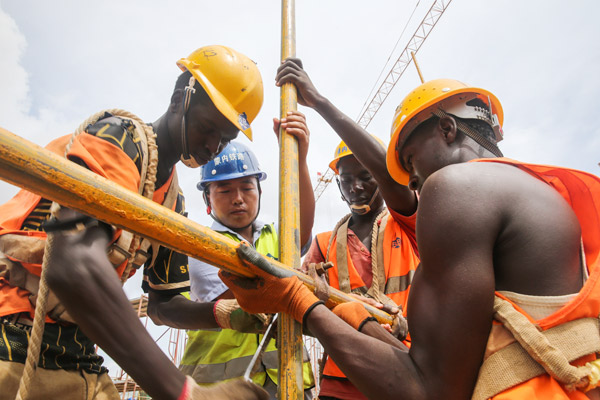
302, 300
353, 313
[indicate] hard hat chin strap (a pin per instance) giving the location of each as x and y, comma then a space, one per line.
487, 144
364, 208
358, 209
187, 160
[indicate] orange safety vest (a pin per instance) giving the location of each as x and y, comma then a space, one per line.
101, 157
400, 260
582, 191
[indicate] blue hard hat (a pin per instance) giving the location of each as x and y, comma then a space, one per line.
235, 161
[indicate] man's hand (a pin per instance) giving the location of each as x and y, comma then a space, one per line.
270, 295
290, 71
399, 328
295, 125
354, 313
229, 315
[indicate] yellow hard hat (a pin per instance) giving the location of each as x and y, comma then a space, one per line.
342, 151
447, 95
231, 80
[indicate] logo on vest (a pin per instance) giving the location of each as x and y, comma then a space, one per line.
397, 242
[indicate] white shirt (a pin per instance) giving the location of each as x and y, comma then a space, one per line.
205, 284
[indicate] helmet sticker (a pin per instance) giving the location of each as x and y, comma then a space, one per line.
243, 121
234, 161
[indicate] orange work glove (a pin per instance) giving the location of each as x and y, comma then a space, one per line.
269, 294
354, 314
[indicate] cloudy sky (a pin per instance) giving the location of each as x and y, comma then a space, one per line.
64, 60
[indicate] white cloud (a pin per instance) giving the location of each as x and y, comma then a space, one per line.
13, 77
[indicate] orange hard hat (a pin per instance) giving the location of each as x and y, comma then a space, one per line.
448, 95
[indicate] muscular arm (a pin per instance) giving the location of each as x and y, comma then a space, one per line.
366, 149
450, 305
86, 284
295, 124
307, 202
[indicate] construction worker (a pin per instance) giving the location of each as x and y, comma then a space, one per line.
506, 301
226, 337
231, 186
373, 249
87, 305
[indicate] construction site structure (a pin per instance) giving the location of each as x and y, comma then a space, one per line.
373, 105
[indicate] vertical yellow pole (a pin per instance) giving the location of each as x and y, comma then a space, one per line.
290, 331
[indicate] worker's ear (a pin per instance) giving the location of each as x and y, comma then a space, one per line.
206, 197
337, 180
447, 126
176, 99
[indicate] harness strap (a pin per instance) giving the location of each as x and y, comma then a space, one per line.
170, 201
342, 257
340, 232
536, 353
377, 289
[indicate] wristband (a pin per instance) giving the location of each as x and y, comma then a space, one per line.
362, 324
215, 313
309, 310
185, 392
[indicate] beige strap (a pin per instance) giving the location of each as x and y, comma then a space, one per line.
536, 353
334, 233
342, 257
39, 320
377, 289
584, 269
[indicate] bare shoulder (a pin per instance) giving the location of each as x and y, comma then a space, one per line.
480, 184
468, 200
468, 184
499, 209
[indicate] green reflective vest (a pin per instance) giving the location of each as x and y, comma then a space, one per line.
218, 355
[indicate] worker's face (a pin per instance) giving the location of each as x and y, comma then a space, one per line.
208, 131
356, 183
234, 202
424, 152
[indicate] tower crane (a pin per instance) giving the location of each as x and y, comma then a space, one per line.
370, 109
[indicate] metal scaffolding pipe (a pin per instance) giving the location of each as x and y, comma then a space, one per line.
289, 331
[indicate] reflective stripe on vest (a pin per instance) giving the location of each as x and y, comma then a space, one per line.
399, 261
213, 356
216, 355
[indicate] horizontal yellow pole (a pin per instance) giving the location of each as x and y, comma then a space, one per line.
40, 171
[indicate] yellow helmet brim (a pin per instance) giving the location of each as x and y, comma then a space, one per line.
224, 106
